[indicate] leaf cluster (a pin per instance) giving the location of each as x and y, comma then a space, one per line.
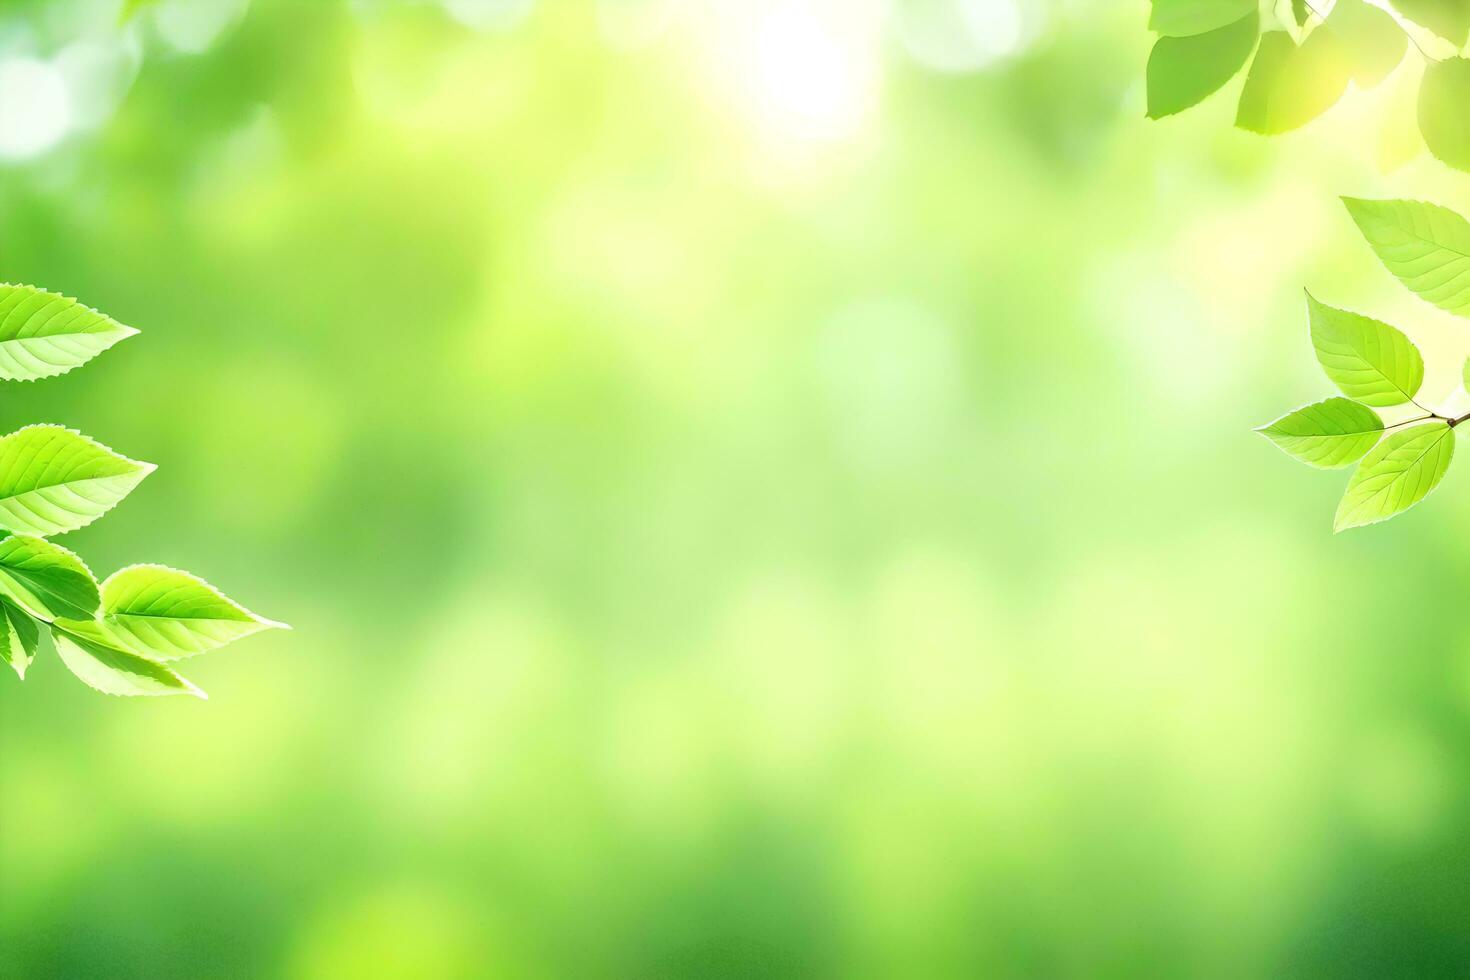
1427, 248
1302, 61
123, 635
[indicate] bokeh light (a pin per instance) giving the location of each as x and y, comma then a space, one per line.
35, 107
763, 488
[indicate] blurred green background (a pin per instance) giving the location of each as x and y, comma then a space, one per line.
764, 488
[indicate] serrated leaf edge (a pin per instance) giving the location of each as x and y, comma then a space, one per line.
6, 535
154, 566
147, 468
1339, 529
127, 331
189, 686
1261, 430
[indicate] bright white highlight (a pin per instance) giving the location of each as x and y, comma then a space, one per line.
489, 14
35, 109
960, 35
806, 76
193, 26
98, 73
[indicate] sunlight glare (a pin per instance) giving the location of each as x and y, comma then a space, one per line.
35, 109
960, 35
808, 79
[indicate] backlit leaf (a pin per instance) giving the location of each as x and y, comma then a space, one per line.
101, 662
54, 480
1444, 111
45, 579
1182, 71
1399, 139
1369, 38
43, 334
1329, 435
1426, 246
1367, 359
1399, 473
169, 614
19, 635
1184, 18
1289, 86
1450, 19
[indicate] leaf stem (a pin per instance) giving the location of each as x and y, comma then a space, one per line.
1404, 30
1429, 415
1400, 425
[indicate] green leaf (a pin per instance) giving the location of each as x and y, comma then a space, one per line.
1426, 246
169, 614
1289, 86
1367, 359
1182, 71
1185, 18
19, 635
43, 334
1467, 375
1395, 476
101, 662
1444, 111
1328, 435
45, 579
54, 480
1450, 19
1369, 38
1399, 139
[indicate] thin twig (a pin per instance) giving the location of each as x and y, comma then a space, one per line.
1400, 425
1412, 39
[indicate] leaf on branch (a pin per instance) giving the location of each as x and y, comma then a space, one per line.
45, 579
1426, 246
1328, 435
1368, 38
54, 480
1450, 19
1399, 138
1403, 470
43, 334
99, 661
1444, 111
1183, 71
19, 635
168, 614
1368, 360
1289, 86
1185, 18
